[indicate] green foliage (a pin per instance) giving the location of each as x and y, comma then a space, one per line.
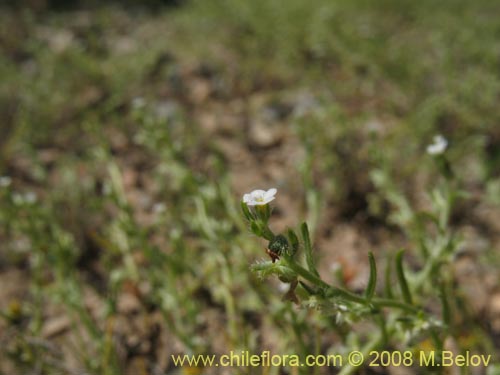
118, 185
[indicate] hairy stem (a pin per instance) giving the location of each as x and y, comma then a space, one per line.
333, 291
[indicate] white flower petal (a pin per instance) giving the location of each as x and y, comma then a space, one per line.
438, 146
258, 193
259, 197
269, 200
270, 193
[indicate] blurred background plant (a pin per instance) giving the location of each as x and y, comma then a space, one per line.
129, 132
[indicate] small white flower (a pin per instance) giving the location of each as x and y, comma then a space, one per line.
342, 308
438, 146
259, 197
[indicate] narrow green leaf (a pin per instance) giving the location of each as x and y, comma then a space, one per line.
372, 281
263, 212
445, 305
308, 249
268, 212
401, 278
266, 232
294, 241
246, 211
308, 289
255, 228
387, 279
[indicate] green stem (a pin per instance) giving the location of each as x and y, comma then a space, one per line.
332, 291
385, 302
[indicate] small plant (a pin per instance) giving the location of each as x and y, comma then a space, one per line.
405, 318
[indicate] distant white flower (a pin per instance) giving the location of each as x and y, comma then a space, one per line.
259, 197
438, 146
5, 181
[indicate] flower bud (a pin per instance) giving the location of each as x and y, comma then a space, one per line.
279, 245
